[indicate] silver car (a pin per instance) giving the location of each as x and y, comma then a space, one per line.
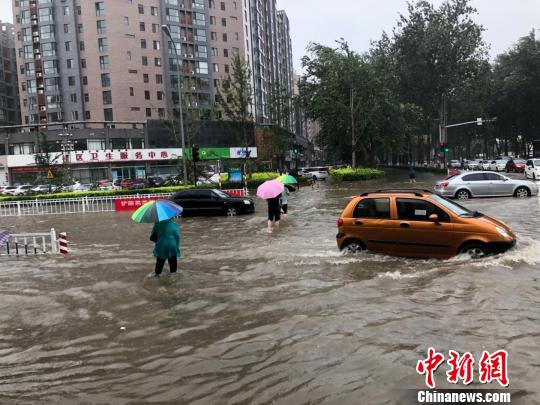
484, 184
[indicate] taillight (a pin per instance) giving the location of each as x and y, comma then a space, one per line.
444, 184
339, 222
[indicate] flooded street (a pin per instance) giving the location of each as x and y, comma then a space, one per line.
258, 318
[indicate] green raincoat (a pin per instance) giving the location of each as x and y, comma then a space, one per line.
168, 239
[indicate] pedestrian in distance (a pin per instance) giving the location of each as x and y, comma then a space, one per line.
285, 201
166, 236
274, 212
412, 175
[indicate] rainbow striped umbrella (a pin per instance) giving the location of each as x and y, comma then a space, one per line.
287, 179
156, 211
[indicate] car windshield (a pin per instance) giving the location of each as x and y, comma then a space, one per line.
455, 207
220, 193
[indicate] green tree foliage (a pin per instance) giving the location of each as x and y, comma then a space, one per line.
47, 160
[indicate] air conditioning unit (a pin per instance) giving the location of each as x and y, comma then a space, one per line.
182, 5
42, 108
36, 50
190, 55
184, 38
193, 87
192, 72
39, 74
185, 55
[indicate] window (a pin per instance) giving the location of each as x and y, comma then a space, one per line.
200, 35
145, 77
86, 97
213, 36
142, 27
29, 68
224, 22
211, 3
83, 63
95, 144
157, 45
71, 80
65, 10
202, 68
226, 68
69, 63
216, 83
143, 43
47, 31
199, 19
148, 112
26, 34
101, 27
201, 51
237, 36
493, 176
73, 97
376, 208
100, 8
212, 20
85, 80
155, 28
226, 53
107, 97
197, 4
105, 80
144, 61
79, 12
75, 115
161, 112
66, 28
141, 9
87, 115
474, 177
131, 92
81, 46
104, 62
215, 67
223, 5
128, 54
159, 79
154, 11
50, 67
224, 37
108, 114
52, 84
80, 28
49, 49
157, 61
159, 95
45, 14
103, 45
418, 210
68, 46
126, 20
147, 95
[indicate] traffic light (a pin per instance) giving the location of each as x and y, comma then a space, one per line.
446, 149
296, 149
195, 153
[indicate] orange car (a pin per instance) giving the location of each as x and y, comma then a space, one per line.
418, 224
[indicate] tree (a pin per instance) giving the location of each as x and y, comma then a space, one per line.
279, 105
49, 161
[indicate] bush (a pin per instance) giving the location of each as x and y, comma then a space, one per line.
421, 169
358, 174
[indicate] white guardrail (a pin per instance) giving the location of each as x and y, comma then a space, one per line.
30, 243
66, 205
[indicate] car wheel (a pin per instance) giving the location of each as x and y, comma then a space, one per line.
475, 251
352, 247
522, 192
463, 195
231, 212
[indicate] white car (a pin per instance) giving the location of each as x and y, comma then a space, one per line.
314, 173
473, 165
20, 190
484, 164
455, 164
9, 190
532, 169
498, 165
44, 188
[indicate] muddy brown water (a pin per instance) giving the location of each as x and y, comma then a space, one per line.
257, 318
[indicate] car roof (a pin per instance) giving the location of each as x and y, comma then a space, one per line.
395, 192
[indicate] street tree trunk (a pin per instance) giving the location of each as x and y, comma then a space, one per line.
353, 135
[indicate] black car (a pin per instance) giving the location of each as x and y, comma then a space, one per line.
204, 201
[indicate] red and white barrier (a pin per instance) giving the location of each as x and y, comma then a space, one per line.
237, 192
63, 243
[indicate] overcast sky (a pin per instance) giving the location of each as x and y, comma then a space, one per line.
361, 21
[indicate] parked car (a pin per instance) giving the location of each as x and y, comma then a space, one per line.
43, 188
19, 190
484, 165
126, 183
532, 169
456, 164
315, 173
8, 190
201, 201
418, 224
138, 184
498, 165
473, 164
108, 186
484, 184
515, 165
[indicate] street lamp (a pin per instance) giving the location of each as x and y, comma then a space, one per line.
167, 32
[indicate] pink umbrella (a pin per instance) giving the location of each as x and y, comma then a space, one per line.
270, 189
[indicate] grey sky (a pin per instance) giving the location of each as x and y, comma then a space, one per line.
361, 21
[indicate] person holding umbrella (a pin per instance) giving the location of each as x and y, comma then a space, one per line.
165, 232
271, 191
287, 180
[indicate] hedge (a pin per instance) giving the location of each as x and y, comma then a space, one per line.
256, 179
358, 174
421, 169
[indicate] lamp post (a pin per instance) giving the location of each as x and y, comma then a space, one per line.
167, 32
67, 147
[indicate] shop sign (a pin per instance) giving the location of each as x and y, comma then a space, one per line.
131, 204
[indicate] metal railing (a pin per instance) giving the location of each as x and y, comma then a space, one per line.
30, 243
66, 205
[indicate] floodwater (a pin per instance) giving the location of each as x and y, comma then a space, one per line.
258, 318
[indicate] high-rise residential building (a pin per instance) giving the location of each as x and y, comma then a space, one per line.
87, 60
285, 77
9, 98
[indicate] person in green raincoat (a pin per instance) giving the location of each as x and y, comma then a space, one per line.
166, 235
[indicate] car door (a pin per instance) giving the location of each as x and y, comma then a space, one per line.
372, 223
529, 167
203, 200
186, 199
476, 182
417, 236
499, 185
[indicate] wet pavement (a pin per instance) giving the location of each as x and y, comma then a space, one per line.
257, 318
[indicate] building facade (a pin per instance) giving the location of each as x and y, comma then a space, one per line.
9, 97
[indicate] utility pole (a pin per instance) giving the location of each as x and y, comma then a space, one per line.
353, 135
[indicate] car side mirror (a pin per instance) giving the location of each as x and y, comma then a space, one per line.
434, 218
506, 179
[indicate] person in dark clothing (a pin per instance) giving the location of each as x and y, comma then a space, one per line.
274, 211
166, 236
412, 175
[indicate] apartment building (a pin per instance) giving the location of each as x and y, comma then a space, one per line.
9, 98
87, 60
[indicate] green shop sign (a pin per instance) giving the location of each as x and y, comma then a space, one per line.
211, 153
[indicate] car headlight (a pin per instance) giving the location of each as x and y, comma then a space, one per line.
502, 232
247, 202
